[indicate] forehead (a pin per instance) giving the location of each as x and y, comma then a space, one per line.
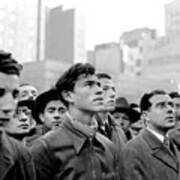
121, 114
28, 88
83, 78
9, 81
22, 108
176, 100
160, 98
106, 82
55, 103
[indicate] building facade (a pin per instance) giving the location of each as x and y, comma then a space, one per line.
64, 35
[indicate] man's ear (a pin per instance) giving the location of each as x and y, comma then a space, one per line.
144, 116
41, 117
68, 96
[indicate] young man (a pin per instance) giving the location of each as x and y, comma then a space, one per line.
27, 91
15, 160
49, 110
149, 155
174, 134
106, 123
22, 124
75, 150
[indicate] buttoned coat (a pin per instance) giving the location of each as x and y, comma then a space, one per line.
114, 133
146, 158
15, 160
72, 152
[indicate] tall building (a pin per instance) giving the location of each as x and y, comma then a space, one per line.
108, 58
131, 43
18, 28
172, 18
65, 35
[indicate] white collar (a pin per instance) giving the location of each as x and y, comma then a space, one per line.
159, 136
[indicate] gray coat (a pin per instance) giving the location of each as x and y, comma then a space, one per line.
146, 158
73, 152
15, 160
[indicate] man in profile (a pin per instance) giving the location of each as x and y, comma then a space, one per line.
75, 151
151, 155
15, 160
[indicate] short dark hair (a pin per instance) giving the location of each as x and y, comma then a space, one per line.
67, 81
145, 104
41, 101
8, 64
174, 94
103, 75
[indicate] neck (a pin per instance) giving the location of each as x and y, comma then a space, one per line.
103, 116
82, 116
159, 130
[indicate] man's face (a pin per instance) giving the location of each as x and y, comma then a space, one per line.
21, 123
122, 120
177, 106
53, 114
9, 85
87, 94
109, 93
161, 115
27, 92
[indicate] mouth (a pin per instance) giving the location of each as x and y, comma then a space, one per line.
57, 123
24, 126
171, 118
99, 99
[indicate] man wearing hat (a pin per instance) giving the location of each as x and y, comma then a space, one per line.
124, 116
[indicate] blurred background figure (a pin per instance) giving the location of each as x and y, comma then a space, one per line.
125, 116
27, 91
175, 133
137, 126
22, 124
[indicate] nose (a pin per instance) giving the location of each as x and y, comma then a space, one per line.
56, 115
99, 90
9, 106
23, 117
112, 93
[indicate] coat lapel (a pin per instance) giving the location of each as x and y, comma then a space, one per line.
159, 151
6, 160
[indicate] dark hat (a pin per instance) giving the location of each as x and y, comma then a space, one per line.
41, 101
122, 105
26, 103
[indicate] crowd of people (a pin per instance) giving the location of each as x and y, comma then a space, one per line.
80, 130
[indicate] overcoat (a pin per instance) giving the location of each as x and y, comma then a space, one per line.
15, 160
147, 158
74, 152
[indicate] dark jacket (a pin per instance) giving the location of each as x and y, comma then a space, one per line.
174, 135
74, 152
15, 160
146, 158
112, 131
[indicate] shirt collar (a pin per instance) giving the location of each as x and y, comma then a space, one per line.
159, 136
79, 133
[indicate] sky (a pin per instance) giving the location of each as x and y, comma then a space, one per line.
105, 20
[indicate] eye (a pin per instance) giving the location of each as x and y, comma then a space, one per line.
2, 92
15, 94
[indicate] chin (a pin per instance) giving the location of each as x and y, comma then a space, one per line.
110, 108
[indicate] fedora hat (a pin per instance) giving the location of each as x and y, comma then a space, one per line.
123, 106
